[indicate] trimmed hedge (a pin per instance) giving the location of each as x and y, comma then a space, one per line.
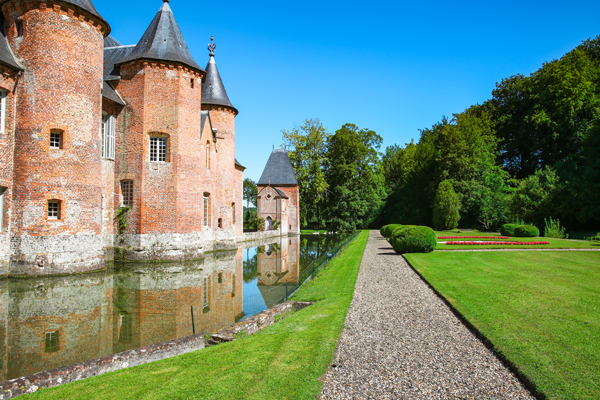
413, 239
508, 229
387, 230
526, 231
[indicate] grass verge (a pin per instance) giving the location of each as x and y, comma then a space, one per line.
284, 361
539, 309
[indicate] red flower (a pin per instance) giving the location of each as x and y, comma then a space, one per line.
499, 243
473, 237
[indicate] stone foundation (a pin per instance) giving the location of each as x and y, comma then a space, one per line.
56, 255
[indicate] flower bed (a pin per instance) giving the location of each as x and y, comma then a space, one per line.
473, 237
498, 243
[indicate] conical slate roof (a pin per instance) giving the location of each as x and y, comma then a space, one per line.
110, 41
213, 90
6, 55
163, 41
279, 170
85, 5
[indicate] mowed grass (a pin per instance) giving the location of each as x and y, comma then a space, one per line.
284, 361
554, 243
539, 309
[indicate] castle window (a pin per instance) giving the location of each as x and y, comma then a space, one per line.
2, 110
220, 276
126, 328
220, 223
233, 213
2, 192
127, 193
207, 155
192, 83
158, 149
51, 342
19, 26
206, 209
205, 296
54, 209
109, 125
56, 139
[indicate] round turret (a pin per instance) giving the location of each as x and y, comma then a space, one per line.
58, 171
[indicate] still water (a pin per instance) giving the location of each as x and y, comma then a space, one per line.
47, 323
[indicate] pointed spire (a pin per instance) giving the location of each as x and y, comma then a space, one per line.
213, 90
163, 41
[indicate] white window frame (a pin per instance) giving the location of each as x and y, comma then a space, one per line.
2, 193
206, 208
60, 139
127, 193
207, 155
3, 94
159, 151
58, 210
109, 127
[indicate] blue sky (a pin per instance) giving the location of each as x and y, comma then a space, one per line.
394, 67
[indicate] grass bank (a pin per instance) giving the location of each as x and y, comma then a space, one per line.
539, 309
284, 361
554, 243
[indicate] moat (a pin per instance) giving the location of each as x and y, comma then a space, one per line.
49, 322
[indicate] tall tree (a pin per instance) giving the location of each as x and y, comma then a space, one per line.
307, 146
355, 178
446, 209
250, 192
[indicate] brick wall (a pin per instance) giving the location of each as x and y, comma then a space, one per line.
62, 53
7, 85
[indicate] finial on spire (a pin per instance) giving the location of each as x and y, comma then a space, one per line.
212, 46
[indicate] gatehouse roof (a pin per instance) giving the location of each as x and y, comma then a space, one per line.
279, 170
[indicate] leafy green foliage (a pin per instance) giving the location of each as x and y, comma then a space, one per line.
250, 190
307, 147
355, 179
533, 199
526, 231
508, 229
387, 230
446, 209
413, 239
553, 229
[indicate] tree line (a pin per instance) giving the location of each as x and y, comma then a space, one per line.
527, 154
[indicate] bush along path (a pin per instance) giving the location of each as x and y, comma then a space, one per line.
401, 341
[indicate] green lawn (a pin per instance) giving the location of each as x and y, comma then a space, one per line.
284, 361
554, 243
540, 309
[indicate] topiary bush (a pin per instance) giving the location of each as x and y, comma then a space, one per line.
508, 229
387, 230
413, 239
526, 231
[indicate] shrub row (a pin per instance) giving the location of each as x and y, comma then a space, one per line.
519, 230
413, 239
387, 230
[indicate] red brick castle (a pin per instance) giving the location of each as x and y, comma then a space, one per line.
104, 145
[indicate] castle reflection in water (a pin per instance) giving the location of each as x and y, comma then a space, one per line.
51, 322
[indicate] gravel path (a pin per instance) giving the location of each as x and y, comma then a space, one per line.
402, 342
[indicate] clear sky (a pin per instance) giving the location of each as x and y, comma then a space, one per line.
393, 67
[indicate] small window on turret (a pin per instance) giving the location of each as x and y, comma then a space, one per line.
19, 26
192, 83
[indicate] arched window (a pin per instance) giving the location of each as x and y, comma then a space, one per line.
206, 209
269, 223
207, 155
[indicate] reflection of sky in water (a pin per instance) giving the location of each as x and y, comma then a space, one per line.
253, 300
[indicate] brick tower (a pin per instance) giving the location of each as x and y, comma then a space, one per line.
226, 173
57, 193
161, 148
